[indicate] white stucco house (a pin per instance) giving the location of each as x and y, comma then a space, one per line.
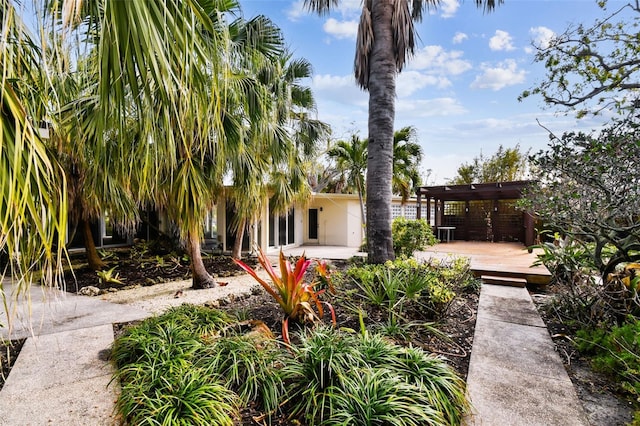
326, 219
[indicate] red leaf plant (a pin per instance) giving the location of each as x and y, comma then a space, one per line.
295, 296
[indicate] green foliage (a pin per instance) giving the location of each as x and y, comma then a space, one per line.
160, 378
505, 165
175, 395
587, 302
290, 289
108, 276
569, 261
616, 352
588, 191
404, 284
365, 379
191, 366
246, 365
411, 235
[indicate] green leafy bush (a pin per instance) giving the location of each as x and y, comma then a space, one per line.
615, 351
364, 379
569, 261
398, 284
247, 364
160, 375
410, 236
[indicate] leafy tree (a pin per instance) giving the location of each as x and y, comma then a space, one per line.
505, 165
597, 65
351, 160
386, 38
407, 155
590, 190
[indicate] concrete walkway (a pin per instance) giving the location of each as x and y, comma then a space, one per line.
515, 376
61, 376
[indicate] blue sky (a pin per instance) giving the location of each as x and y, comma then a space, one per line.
460, 89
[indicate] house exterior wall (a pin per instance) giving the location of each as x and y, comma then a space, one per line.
338, 220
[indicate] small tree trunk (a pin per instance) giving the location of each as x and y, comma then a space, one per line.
93, 258
236, 253
201, 279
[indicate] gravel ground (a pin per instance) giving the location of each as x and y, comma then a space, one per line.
157, 298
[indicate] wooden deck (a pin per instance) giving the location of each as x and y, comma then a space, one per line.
500, 260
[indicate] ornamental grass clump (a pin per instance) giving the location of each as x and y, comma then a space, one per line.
160, 379
404, 284
250, 367
296, 297
196, 366
345, 378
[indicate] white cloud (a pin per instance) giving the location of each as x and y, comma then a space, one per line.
541, 36
448, 8
408, 109
411, 81
296, 10
459, 38
496, 78
342, 89
502, 40
436, 60
349, 8
341, 29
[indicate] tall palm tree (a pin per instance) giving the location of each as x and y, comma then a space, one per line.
407, 154
189, 84
351, 159
386, 38
198, 183
278, 149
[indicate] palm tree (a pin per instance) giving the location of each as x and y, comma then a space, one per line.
198, 184
407, 154
32, 198
351, 159
278, 149
386, 37
189, 83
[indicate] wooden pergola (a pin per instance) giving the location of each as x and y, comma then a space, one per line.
479, 212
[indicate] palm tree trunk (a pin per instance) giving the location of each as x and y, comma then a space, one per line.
200, 277
236, 253
93, 258
382, 90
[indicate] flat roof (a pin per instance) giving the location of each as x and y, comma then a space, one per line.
477, 191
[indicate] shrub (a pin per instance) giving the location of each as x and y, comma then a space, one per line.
248, 365
162, 394
411, 235
400, 284
167, 374
364, 379
171, 372
159, 378
569, 261
616, 351
293, 293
